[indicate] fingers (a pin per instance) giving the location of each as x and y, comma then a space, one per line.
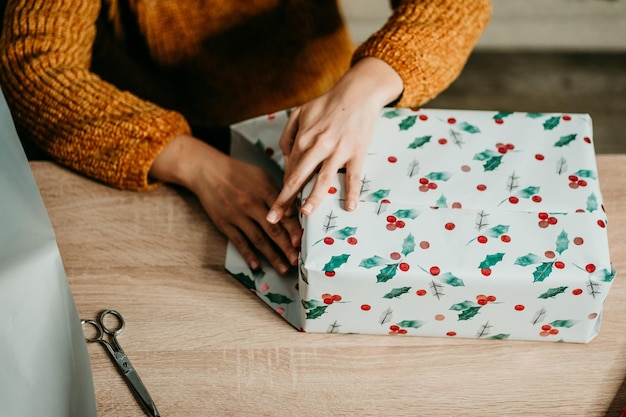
353, 183
288, 136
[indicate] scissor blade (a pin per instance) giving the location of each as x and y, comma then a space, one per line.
140, 391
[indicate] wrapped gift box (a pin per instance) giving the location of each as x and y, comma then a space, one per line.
470, 224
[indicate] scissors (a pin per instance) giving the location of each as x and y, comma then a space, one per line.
120, 359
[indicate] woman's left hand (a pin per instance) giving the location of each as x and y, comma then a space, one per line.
334, 131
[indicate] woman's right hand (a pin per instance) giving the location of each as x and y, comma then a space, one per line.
236, 195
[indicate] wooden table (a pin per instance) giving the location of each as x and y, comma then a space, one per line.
205, 346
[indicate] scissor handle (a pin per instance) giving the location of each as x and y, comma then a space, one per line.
120, 320
96, 325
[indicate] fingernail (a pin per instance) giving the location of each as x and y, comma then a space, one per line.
293, 259
254, 265
306, 208
283, 268
272, 216
350, 205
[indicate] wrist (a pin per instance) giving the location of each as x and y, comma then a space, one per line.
373, 80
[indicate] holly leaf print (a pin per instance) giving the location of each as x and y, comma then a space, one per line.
528, 192
278, 298
484, 155
335, 262
562, 242
419, 142
408, 245
441, 202
463, 305
529, 259
309, 304
592, 203
502, 115
564, 140
377, 195
451, 280
468, 127
492, 163
585, 173
497, 231
500, 336
534, 115
563, 323
413, 324
607, 276
552, 292
551, 123
491, 260
387, 273
372, 262
438, 176
342, 234
543, 271
246, 281
407, 123
397, 292
316, 312
469, 313
407, 213
391, 114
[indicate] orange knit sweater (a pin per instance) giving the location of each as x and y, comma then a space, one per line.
102, 86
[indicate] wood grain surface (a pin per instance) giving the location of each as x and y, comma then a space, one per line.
205, 346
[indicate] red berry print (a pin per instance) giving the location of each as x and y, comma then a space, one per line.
566, 118
466, 168
554, 331
424, 244
552, 220
513, 200
587, 139
536, 198
443, 141
352, 240
590, 268
432, 186
280, 310
269, 152
559, 264
391, 219
395, 256
543, 215
329, 274
385, 201
582, 183
456, 205
271, 116
403, 266
394, 328
329, 240
423, 117
424, 181
502, 150
328, 301
423, 188
402, 331
482, 239
435, 270
498, 121
336, 297
549, 254
449, 226
573, 178
440, 317
543, 224
451, 120
392, 159
601, 223
491, 298
578, 241
265, 287
421, 292
400, 224
592, 316
577, 291
481, 187
505, 238
482, 301
391, 226
451, 334
366, 307
485, 271
332, 190
546, 327
519, 307
539, 157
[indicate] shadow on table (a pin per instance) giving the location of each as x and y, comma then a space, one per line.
619, 402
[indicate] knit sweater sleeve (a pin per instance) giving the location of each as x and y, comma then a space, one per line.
82, 121
427, 42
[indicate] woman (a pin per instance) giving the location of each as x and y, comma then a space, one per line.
134, 93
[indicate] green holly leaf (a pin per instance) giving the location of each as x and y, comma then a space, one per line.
317, 312
592, 203
407, 122
551, 123
585, 173
387, 273
563, 323
463, 305
372, 262
336, 261
377, 195
492, 163
309, 304
451, 280
438, 176
245, 280
564, 140
390, 114
419, 142
484, 155
441, 202
469, 313
413, 324
534, 115
408, 245
259, 145
468, 127
607, 275
497, 231
491, 260
397, 292
406, 213
502, 115
500, 336
528, 192
529, 259
562, 242
553, 292
344, 233
543, 271
278, 298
